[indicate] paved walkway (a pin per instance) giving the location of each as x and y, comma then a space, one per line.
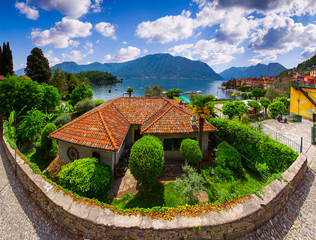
297, 220
21, 218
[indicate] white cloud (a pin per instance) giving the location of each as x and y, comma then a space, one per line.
308, 53
30, 12
96, 8
72, 8
124, 42
60, 36
106, 29
167, 29
123, 55
145, 51
51, 58
254, 61
77, 55
270, 58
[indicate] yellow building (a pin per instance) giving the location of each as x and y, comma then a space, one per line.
303, 101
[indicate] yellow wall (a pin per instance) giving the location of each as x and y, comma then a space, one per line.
304, 107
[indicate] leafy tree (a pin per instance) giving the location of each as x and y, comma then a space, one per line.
229, 109
59, 81
37, 66
63, 119
130, 90
276, 108
241, 108
72, 81
146, 160
19, 95
191, 151
51, 98
228, 161
6, 62
265, 103
256, 106
250, 95
282, 100
86, 177
201, 111
258, 92
47, 148
81, 92
190, 184
83, 107
173, 93
244, 95
211, 108
98, 102
234, 95
153, 91
272, 93
31, 126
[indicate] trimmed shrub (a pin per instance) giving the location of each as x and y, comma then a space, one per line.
229, 109
255, 105
191, 151
256, 147
228, 161
83, 107
98, 102
146, 160
282, 100
63, 119
86, 177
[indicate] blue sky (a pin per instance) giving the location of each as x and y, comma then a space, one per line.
221, 33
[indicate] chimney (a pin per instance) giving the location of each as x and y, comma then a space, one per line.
193, 121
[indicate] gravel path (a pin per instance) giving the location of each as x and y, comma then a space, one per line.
20, 216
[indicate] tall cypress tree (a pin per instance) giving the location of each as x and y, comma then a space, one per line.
0, 60
37, 66
6, 61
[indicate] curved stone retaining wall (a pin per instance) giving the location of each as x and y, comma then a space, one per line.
100, 223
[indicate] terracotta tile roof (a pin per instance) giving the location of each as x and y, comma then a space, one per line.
105, 127
309, 77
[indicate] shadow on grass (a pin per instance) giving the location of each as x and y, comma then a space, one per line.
148, 200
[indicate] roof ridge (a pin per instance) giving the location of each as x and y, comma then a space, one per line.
120, 112
157, 118
107, 130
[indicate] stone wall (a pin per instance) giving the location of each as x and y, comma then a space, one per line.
96, 222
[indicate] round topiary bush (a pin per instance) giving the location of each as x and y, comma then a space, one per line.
83, 107
86, 177
146, 160
63, 119
191, 151
228, 161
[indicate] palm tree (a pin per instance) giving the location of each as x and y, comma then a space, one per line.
200, 105
129, 90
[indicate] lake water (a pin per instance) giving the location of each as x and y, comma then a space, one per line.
101, 91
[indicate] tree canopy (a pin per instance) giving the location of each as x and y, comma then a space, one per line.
153, 91
37, 66
6, 62
81, 92
97, 77
173, 93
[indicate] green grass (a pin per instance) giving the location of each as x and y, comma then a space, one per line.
222, 101
162, 195
226, 190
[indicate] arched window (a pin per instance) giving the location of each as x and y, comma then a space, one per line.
96, 155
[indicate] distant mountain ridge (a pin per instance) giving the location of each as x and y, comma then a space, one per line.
272, 69
150, 66
305, 66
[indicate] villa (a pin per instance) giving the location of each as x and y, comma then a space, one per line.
108, 130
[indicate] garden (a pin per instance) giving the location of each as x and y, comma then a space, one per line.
245, 160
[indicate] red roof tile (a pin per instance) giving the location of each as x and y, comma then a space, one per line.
106, 126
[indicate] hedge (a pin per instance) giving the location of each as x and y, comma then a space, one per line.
256, 148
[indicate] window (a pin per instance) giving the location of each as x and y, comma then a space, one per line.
173, 144
96, 155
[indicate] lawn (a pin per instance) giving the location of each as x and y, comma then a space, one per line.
165, 195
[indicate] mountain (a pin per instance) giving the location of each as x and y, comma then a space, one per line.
19, 72
302, 67
272, 69
150, 66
